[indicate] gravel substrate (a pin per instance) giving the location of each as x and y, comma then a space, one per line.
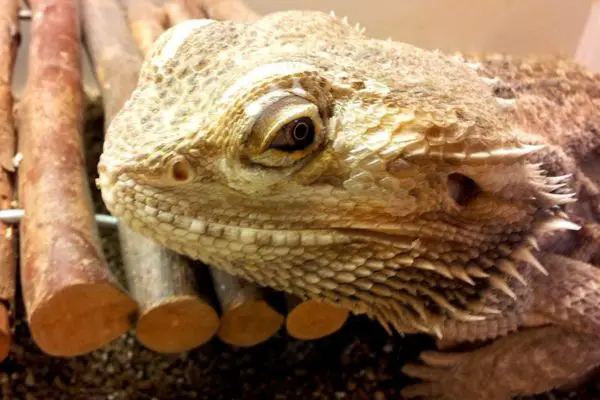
359, 362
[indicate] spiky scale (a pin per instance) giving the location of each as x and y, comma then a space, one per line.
500, 284
524, 254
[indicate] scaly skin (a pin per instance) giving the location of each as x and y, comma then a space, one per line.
417, 203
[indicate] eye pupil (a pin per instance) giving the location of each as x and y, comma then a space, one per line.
301, 131
296, 135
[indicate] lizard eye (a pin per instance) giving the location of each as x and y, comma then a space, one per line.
296, 135
286, 131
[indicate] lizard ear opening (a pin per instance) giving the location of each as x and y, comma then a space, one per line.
181, 171
462, 189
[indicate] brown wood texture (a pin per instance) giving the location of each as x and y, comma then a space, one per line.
173, 315
235, 10
179, 10
74, 304
9, 43
5, 332
312, 319
146, 21
247, 318
113, 51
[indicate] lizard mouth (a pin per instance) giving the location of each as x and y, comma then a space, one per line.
174, 229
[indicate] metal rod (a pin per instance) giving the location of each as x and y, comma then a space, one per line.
25, 10
15, 215
25, 14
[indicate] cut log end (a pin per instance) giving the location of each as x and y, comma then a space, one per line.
247, 319
5, 333
313, 319
178, 324
249, 323
80, 318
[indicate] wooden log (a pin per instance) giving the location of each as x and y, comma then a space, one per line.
173, 317
146, 21
117, 62
247, 318
5, 331
113, 52
313, 319
74, 304
235, 10
9, 43
179, 10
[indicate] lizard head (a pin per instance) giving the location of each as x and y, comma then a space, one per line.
302, 155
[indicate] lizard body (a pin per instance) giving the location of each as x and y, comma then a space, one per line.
394, 181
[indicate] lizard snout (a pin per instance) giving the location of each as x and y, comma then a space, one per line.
106, 182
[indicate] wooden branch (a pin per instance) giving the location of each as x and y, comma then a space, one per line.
235, 10
247, 319
179, 10
113, 52
117, 62
146, 21
9, 43
74, 304
312, 319
173, 317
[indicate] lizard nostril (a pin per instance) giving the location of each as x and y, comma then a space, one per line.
180, 171
462, 189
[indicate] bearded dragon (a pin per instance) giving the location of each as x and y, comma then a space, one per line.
401, 183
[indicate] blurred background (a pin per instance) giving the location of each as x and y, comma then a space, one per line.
513, 26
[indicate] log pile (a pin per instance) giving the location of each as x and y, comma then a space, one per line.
9, 42
74, 303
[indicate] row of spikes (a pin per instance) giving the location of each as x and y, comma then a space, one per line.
357, 27
389, 305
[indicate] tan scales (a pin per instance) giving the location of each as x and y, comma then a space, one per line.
418, 200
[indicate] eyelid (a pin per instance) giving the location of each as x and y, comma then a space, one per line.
276, 116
